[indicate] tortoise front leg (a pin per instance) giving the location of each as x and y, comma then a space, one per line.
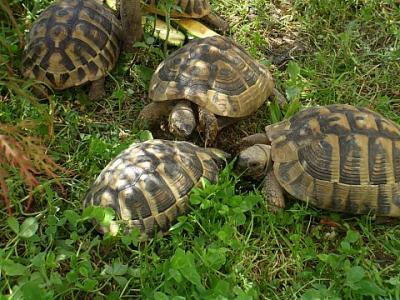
273, 192
208, 123
131, 19
97, 90
153, 112
216, 22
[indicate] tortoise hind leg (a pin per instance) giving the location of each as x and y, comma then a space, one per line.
216, 22
273, 191
97, 90
208, 124
40, 91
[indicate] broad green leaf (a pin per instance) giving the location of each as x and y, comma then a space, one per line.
121, 280
52, 220
117, 269
293, 92
319, 292
13, 224
97, 147
216, 257
195, 199
234, 201
175, 274
222, 288
11, 268
184, 262
39, 259
113, 296
352, 236
72, 276
345, 246
145, 74
240, 218
249, 201
109, 215
145, 135
28, 228
160, 296
354, 274
226, 233
89, 284
55, 278
394, 280
332, 259
32, 291
72, 217
83, 271
95, 212
368, 287
293, 70
223, 210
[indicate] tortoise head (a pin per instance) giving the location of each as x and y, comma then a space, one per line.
182, 120
254, 161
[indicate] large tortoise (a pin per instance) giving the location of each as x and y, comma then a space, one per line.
71, 43
337, 157
195, 9
214, 76
148, 184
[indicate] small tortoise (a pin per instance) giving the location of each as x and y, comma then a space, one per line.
195, 9
213, 74
71, 43
148, 183
335, 157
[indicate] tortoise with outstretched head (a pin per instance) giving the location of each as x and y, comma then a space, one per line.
337, 157
213, 76
71, 43
148, 184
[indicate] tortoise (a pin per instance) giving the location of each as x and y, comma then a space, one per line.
214, 75
194, 9
148, 183
71, 43
337, 157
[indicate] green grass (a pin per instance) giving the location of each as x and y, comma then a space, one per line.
229, 246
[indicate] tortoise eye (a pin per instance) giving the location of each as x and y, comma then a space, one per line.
253, 164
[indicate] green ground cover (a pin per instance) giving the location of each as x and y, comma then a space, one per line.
229, 246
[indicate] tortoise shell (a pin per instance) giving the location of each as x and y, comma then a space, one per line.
214, 73
188, 8
339, 157
148, 183
71, 43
